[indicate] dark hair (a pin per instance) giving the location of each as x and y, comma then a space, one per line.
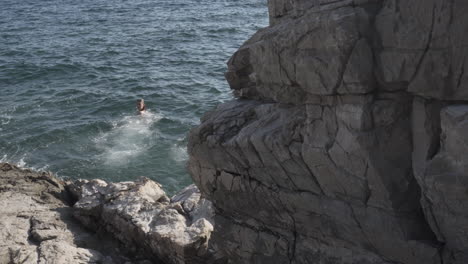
139, 100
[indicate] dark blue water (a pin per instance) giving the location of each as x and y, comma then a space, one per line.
71, 71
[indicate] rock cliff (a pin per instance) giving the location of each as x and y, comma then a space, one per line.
348, 140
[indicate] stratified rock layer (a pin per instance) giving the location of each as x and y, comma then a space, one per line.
348, 143
145, 220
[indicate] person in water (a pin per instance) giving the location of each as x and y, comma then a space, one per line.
141, 107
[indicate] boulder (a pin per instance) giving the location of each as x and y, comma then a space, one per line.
36, 223
145, 220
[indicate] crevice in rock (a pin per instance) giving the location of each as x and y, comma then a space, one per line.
12, 255
461, 74
292, 253
31, 239
368, 192
358, 223
427, 46
224, 214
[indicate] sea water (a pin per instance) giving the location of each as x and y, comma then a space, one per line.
71, 71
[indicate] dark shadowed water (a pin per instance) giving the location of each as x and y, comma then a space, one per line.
70, 72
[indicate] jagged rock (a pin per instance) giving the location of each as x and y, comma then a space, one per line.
305, 174
423, 47
36, 223
333, 153
323, 51
445, 181
145, 220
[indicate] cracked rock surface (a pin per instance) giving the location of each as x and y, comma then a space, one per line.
110, 223
36, 223
348, 140
145, 220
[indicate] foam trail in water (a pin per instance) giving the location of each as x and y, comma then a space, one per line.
129, 137
179, 153
4, 120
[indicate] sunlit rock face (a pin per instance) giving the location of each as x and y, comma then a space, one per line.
109, 223
146, 221
347, 141
37, 225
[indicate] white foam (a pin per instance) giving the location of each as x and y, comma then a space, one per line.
179, 153
129, 137
21, 163
4, 120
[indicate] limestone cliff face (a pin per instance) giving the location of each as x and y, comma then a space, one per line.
348, 141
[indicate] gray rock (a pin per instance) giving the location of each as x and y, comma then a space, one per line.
36, 223
337, 152
326, 173
145, 220
445, 181
423, 47
286, 63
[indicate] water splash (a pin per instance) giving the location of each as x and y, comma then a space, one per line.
129, 137
179, 153
21, 163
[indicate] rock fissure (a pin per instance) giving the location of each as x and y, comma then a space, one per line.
358, 155
427, 46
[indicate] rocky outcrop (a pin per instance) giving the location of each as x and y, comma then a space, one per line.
37, 226
444, 182
347, 142
145, 220
119, 223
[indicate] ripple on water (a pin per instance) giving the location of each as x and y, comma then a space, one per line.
70, 72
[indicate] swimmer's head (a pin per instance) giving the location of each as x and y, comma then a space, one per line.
141, 105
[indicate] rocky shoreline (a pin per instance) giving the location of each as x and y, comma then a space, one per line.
46, 220
347, 144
